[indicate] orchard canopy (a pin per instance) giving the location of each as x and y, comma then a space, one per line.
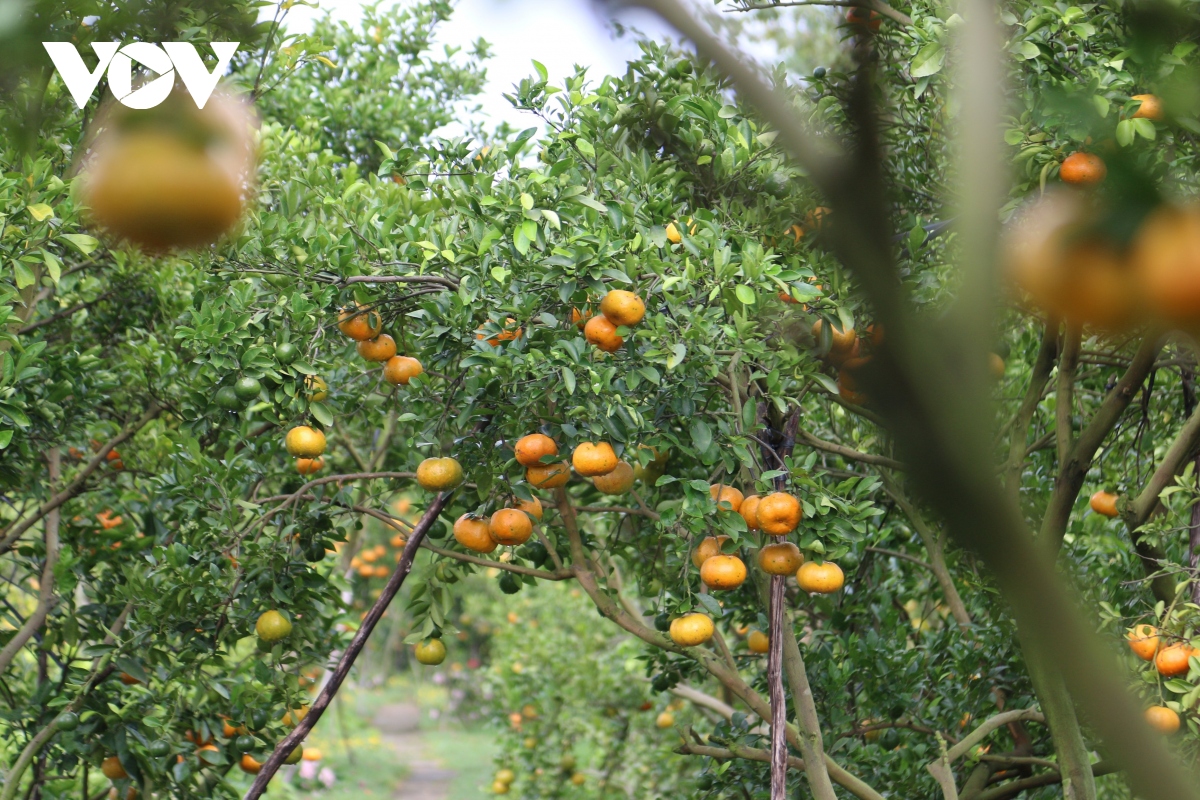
836, 415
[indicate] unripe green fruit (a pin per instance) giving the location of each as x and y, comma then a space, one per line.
160, 748
247, 389
228, 399
67, 721
286, 352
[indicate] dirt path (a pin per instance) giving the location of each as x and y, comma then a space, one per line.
427, 779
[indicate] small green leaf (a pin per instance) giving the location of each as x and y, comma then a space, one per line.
5, 438
1145, 128
40, 211
677, 354
568, 380
82, 242
745, 294
1125, 132
23, 274
321, 412
928, 61
701, 435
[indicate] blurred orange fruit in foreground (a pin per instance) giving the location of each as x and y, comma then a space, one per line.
171, 176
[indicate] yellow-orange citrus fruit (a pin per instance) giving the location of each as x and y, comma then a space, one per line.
309, 466
1056, 253
312, 754
532, 507
1144, 641
359, 323
1151, 107
848, 389
315, 388
430, 652
1166, 263
273, 626
783, 558
1082, 169
723, 572
623, 308
691, 629
726, 497
249, 765
594, 458
439, 474
603, 334
112, 769
749, 511
292, 717
399, 370
473, 534
381, 348
171, 176
665, 720
201, 753
996, 365
506, 776
1162, 719
758, 642
709, 547
548, 476
820, 578
842, 341
779, 513
530, 449
509, 527
305, 442
1104, 503
1172, 660
619, 481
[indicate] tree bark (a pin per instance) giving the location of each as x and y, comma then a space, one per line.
1074, 762
1194, 542
293, 739
779, 752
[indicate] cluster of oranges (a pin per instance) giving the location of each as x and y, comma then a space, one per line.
776, 514
364, 326
1171, 661
847, 353
1086, 169
1063, 254
369, 562
618, 308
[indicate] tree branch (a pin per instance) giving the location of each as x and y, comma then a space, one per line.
293, 739
1073, 470
849, 452
16, 529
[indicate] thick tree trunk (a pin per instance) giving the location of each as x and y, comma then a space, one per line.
1073, 759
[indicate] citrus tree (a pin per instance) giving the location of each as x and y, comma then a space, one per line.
664, 345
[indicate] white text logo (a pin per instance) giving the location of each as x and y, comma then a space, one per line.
164, 59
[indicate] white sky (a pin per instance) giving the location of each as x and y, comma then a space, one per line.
558, 33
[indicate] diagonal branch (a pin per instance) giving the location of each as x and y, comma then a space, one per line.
1073, 470
284, 748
